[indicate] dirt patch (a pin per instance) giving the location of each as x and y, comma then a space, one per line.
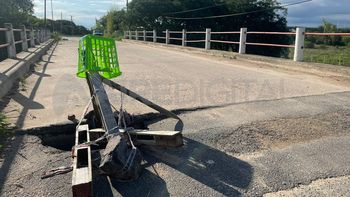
275, 133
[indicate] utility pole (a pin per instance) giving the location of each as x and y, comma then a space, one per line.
53, 28
45, 15
61, 24
71, 19
127, 5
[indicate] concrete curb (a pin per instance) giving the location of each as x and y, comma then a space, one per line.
323, 70
21, 67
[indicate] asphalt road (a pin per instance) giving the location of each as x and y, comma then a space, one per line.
249, 130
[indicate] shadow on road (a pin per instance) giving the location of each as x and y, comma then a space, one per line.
14, 146
148, 184
207, 165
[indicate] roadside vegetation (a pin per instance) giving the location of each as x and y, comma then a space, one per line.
4, 132
20, 12
56, 36
336, 55
328, 49
156, 15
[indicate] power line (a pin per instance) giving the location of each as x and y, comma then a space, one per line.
52, 23
61, 23
45, 14
193, 10
71, 19
239, 14
127, 5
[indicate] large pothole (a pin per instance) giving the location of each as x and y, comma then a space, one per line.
62, 136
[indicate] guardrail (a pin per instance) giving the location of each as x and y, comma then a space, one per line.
28, 38
298, 45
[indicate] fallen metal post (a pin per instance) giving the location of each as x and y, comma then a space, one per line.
140, 98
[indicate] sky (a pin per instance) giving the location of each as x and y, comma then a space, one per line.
309, 14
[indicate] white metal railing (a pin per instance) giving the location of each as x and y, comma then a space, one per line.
28, 38
298, 45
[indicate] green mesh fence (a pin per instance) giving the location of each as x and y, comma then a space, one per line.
98, 54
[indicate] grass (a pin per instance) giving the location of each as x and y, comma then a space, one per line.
56, 36
23, 84
4, 130
327, 55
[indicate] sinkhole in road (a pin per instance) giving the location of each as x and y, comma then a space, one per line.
62, 136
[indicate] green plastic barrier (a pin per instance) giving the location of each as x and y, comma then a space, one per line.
98, 54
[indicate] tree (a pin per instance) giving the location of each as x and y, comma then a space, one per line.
328, 27
109, 25
156, 14
16, 12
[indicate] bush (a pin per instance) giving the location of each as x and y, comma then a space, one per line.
346, 40
309, 45
3, 130
323, 46
56, 36
3, 123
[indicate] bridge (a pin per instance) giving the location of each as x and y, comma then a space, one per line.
252, 125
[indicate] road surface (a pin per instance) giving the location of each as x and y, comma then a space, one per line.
249, 129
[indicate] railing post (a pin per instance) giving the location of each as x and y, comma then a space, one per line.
49, 37
42, 35
32, 38
242, 41
130, 36
47, 33
24, 38
137, 35
154, 36
10, 39
144, 35
184, 37
37, 36
207, 38
299, 44
167, 36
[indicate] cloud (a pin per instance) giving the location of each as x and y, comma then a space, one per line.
312, 13
84, 12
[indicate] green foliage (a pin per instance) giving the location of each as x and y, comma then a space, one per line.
3, 123
65, 27
113, 21
3, 130
326, 27
19, 12
346, 40
110, 28
309, 45
152, 14
56, 36
336, 55
16, 12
